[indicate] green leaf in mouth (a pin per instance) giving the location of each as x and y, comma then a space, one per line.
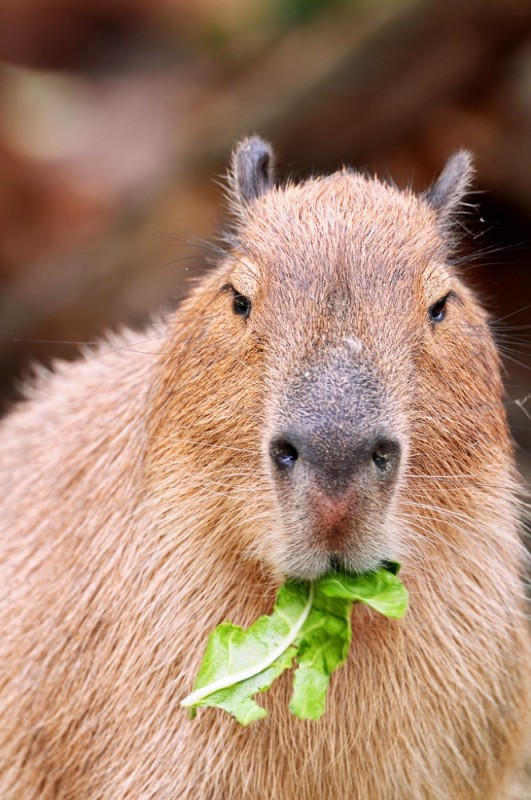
309, 624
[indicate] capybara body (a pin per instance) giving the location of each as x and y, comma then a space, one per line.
328, 395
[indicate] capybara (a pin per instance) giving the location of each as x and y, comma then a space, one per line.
328, 396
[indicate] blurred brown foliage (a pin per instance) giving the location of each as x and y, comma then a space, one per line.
115, 115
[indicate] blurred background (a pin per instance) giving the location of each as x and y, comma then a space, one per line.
117, 116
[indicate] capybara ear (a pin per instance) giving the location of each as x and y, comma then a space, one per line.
251, 172
446, 194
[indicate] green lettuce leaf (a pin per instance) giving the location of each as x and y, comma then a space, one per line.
240, 663
310, 624
380, 590
322, 647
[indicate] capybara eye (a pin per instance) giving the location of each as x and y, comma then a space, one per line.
241, 304
437, 311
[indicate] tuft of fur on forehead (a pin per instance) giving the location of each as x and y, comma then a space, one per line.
338, 217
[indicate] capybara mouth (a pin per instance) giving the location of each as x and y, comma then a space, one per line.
308, 565
339, 564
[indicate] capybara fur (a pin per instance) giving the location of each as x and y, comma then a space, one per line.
329, 395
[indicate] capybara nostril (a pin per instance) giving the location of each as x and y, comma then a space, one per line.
283, 453
386, 457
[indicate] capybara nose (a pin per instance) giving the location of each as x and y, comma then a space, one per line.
335, 459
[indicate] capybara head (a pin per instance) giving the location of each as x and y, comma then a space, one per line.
359, 372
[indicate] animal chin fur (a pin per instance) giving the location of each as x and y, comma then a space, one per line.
136, 517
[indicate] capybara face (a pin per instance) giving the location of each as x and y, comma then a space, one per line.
350, 323
343, 338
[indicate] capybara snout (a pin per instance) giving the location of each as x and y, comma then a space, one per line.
336, 458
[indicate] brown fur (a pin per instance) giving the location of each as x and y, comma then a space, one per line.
138, 512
